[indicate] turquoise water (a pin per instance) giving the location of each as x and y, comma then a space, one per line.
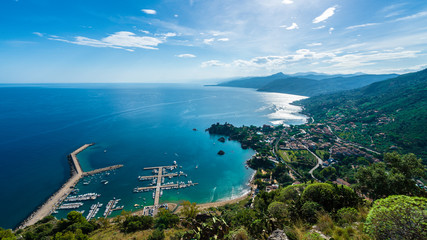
136, 125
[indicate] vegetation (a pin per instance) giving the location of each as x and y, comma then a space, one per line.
393, 176
385, 115
398, 217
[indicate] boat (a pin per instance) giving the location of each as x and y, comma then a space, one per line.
197, 166
105, 150
106, 182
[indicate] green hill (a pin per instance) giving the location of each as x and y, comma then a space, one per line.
387, 114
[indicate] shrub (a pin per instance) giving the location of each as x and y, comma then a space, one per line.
135, 223
347, 215
157, 235
398, 217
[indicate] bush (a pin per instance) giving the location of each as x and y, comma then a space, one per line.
157, 235
277, 210
398, 217
6, 234
309, 211
321, 193
347, 215
135, 223
166, 219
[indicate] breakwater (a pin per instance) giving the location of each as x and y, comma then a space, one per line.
58, 197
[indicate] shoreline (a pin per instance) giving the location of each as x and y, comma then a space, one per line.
55, 199
76, 174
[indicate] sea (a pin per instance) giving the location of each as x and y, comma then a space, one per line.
137, 125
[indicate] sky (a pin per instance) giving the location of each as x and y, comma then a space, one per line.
47, 41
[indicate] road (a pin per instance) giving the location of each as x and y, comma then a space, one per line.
319, 163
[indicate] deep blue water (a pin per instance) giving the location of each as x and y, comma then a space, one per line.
138, 125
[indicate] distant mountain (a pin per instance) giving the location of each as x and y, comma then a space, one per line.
253, 82
390, 113
307, 84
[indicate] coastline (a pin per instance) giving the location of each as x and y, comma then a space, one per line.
50, 204
59, 196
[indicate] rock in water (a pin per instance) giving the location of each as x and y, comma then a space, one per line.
221, 139
221, 152
278, 235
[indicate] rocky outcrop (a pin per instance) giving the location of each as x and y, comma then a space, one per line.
278, 235
221, 152
221, 139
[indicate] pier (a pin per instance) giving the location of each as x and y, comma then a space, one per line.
57, 198
159, 173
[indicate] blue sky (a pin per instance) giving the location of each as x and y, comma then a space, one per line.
184, 40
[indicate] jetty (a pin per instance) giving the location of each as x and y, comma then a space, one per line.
159, 173
58, 197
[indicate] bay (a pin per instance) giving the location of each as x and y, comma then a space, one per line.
137, 125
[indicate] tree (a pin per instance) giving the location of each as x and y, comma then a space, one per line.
76, 217
166, 219
277, 210
190, 210
394, 176
398, 217
6, 234
321, 193
135, 223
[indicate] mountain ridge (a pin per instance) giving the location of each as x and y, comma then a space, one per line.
311, 84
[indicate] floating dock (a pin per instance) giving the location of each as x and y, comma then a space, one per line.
158, 179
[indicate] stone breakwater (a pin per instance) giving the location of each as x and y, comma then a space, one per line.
58, 197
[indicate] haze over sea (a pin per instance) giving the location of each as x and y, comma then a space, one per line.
138, 125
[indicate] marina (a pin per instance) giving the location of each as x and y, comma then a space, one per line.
158, 177
58, 197
94, 209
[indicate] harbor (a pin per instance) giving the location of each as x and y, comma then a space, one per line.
158, 178
55, 201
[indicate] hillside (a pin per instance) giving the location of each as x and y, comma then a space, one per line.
390, 114
308, 84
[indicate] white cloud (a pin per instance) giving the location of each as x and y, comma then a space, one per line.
351, 60
292, 27
170, 34
120, 40
319, 27
38, 34
212, 63
331, 30
287, 1
149, 11
362, 25
186, 55
176, 15
314, 44
208, 41
273, 62
417, 15
325, 15
223, 40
